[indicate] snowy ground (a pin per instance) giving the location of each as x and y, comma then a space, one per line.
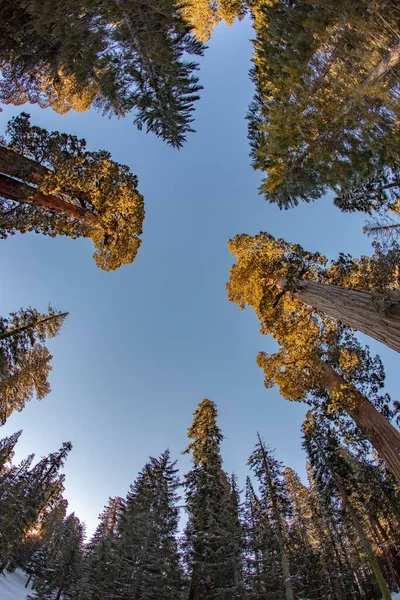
12, 586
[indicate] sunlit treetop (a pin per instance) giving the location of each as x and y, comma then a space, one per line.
85, 193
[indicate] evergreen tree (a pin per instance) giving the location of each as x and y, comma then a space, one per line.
50, 184
361, 293
274, 499
204, 15
334, 475
7, 446
119, 56
212, 552
311, 577
26, 495
24, 358
148, 563
61, 562
325, 108
318, 357
262, 573
101, 560
378, 196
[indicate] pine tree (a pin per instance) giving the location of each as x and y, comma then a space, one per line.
62, 562
26, 495
311, 577
52, 185
334, 475
212, 553
148, 563
325, 108
7, 446
118, 56
24, 358
361, 293
318, 356
273, 497
262, 573
101, 560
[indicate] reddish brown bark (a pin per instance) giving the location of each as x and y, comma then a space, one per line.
26, 194
16, 165
376, 428
372, 313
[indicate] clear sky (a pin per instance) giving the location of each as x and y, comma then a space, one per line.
143, 345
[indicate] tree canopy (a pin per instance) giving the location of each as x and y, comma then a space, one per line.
52, 185
326, 106
119, 56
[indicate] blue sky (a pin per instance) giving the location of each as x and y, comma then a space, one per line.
143, 345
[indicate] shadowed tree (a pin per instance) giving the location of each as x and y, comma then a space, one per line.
24, 358
50, 184
119, 56
212, 549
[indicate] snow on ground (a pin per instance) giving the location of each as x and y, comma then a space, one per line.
12, 586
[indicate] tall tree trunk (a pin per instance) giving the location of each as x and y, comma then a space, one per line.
16, 165
376, 428
285, 564
26, 194
372, 313
366, 544
17, 330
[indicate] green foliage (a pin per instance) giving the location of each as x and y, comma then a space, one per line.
27, 498
119, 56
325, 108
204, 15
212, 535
24, 358
148, 564
87, 193
61, 562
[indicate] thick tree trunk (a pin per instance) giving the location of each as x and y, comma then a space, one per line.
25, 194
14, 164
275, 509
17, 330
390, 61
372, 313
376, 428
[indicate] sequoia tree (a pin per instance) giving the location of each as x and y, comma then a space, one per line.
326, 106
119, 56
24, 357
318, 356
50, 184
365, 296
204, 15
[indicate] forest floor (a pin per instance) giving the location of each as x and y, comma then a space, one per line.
12, 586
